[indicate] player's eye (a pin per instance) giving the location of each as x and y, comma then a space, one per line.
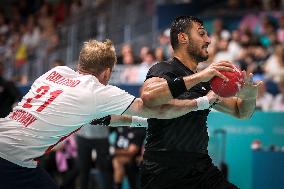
202, 33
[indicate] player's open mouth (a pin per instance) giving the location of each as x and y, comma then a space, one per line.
205, 48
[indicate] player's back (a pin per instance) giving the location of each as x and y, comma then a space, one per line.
58, 103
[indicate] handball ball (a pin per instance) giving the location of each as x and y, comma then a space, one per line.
230, 88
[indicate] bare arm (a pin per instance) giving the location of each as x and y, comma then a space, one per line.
155, 91
120, 120
242, 106
174, 108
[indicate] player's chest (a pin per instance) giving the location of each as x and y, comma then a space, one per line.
196, 91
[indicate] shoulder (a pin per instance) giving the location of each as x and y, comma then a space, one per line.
165, 65
63, 69
162, 69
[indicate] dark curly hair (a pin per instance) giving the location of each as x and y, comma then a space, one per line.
181, 24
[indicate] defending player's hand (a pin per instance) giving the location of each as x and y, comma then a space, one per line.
214, 70
105, 121
250, 89
213, 98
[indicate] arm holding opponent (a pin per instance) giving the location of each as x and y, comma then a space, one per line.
173, 109
157, 91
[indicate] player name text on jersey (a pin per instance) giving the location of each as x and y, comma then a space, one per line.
57, 78
23, 117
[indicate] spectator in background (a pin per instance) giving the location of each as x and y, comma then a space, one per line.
234, 46
31, 38
278, 102
89, 139
9, 94
275, 63
144, 67
264, 99
280, 31
76, 7
65, 157
49, 39
20, 60
218, 31
128, 145
267, 31
223, 52
126, 56
60, 11
164, 43
159, 54
143, 52
259, 55
3, 26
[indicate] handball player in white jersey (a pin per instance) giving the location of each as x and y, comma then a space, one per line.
58, 104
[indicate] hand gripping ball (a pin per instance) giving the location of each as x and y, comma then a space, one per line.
230, 88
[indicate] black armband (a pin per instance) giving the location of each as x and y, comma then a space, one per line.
176, 86
105, 121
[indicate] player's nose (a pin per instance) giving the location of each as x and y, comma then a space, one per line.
207, 39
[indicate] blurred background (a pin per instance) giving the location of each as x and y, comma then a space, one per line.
36, 35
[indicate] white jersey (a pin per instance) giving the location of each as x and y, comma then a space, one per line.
57, 105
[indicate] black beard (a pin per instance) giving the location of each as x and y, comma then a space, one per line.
195, 54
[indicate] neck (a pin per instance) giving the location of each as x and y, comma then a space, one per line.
186, 60
84, 72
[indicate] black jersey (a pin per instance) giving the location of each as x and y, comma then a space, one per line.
187, 133
128, 135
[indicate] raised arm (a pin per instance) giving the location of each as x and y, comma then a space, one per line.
157, 91
243, 105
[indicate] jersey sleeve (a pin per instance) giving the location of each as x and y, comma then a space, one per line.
111, 100
162, 70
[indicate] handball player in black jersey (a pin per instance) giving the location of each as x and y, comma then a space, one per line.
176, 155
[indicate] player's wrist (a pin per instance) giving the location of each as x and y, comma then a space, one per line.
202, 103
138, 122
248, 95
177, 86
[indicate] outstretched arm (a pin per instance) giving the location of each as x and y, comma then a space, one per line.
243, 105
157, 91
174, 108
121, 120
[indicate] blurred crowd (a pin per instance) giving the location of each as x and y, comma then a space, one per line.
29, 36
29, 41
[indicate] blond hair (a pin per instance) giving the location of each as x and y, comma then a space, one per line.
96, 56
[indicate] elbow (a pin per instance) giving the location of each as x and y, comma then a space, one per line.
148, 99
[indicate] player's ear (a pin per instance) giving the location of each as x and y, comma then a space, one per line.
105, 76
182, 38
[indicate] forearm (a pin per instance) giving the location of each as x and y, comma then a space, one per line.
122, 120
158, 93
241, 108
246, 107
176, 108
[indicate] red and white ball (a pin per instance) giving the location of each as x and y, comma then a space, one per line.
230, 88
